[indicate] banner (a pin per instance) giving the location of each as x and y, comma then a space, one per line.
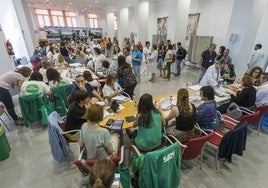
162, 29
72, 33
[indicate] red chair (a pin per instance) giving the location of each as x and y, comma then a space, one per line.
262, 109
229, 122
85, 165
195, 147
252, 119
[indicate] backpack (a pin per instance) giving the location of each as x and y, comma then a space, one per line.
181, 54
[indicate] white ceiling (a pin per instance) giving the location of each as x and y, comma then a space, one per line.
83, 5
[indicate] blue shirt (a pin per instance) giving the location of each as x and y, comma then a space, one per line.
208, 58
136, 55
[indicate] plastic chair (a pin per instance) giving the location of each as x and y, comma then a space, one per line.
35, 107
2, 111
59, 145
195, 147
252, 118
263, 124
85, 165
160, 168
262, 109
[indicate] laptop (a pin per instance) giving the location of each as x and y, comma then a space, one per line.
113, 107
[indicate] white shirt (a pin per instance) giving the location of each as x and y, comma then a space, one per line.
262, 94
33, 86
256, 59
145, 54
211, 77
108, 90
152, 62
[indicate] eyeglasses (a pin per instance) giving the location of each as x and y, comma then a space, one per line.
78, 81
257, 72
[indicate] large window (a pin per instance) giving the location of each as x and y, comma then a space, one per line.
55, 18
42, 18
115, 22
93, 20
71, 19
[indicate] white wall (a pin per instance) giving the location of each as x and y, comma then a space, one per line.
152, 20
123, 25
214, 19
11, 28
143, 16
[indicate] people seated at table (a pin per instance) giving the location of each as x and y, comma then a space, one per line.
98, 141
98, 59
245, 97
88, 77
185, 114
126, 76
60, 62
35, 85
111, 87
206, 115
54, 78
8, 80
255, 74
262, 91
149, 121
76, 111
80, 84
43, 70
211, 76
228, 75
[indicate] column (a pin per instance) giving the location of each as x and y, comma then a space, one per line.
123, 27
109, 25
143, 21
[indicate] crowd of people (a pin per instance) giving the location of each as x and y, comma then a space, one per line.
122, 71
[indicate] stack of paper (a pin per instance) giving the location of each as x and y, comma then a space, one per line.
195, 87
167, 103
120, 98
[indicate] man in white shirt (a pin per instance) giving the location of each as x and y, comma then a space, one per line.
262, 92
256, 58
212, 75
145, 55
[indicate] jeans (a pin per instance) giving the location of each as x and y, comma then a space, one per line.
137, 72
178, 63
168, 69
67, 59
6, 98
203, 71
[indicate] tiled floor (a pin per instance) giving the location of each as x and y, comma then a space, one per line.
31, 165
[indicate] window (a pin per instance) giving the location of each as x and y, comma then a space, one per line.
43, 18
115, 22
93, 20
70, 19
57, 18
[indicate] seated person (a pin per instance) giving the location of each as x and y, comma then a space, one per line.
206, 115
98, 142
228, 75
262, 91
103, 173
185, 114
43, 70
212, 75
255, 74
149, 121
76, 111
60, 62
80, 84
108, 68
35, 85
88, 77
55, 80
111, 87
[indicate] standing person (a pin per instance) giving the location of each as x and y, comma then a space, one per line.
149, 121
116, 52
168, 60
126, 76
65, 51
220, 54
145, 55
128, 56
7, 81
136, 62
35, 60
180, 56
185, 114
207, 59
152, 62
98, 59
161, 57
226, 57
256, 57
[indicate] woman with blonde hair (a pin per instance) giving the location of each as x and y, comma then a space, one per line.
185, 114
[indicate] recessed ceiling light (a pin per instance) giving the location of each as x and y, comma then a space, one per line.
85, 8
70, 3
90, 5
128, 4
96, 1
82, 10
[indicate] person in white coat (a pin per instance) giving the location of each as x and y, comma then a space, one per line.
152, 62
212, 76
256, 58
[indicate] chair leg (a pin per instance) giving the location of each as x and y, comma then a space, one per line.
8, 115
5, 124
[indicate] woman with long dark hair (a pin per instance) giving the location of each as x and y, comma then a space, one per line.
149, 121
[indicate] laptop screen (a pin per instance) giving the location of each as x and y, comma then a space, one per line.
114, 106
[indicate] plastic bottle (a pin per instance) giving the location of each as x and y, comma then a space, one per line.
135, 100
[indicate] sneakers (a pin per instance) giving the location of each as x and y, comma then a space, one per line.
19, 122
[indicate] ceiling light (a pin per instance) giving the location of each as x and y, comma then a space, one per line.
96, 1
90, 5
85, 8
128, 4
70, 3
82, 10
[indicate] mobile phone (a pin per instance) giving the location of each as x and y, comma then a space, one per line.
109, 122
117, 124
116, 182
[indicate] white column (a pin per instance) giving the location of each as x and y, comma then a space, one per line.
143, 17
109, 29
183, 8
82, 21
245, 21
123, 28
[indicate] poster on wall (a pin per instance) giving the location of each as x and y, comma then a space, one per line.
162, 28
72, 33
193, 20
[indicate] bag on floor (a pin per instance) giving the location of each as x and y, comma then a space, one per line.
234, 111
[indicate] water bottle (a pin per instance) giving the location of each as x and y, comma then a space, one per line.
135, 100
170, 101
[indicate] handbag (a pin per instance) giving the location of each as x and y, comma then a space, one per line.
234, 111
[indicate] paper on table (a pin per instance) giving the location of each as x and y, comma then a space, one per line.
195, 87
166, 103
120, 98
106, 113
